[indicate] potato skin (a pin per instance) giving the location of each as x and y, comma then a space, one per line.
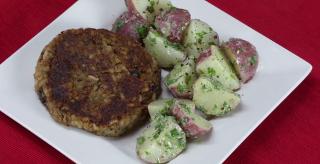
193, 125
172, 23
131, 24
204, 55
243, 56
175, 92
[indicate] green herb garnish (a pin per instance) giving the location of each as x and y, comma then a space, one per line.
184, 121
142, 31
119, 24
202, 109
159, 128
200, 36
169, 103
226, 106
150, 8
253, 60
141, 140
187, 108
181, 142
166, 43
181, 88
189, 79
153, 41
211, 43
169, 81
174, 133
176, 46
204, 87
211, 72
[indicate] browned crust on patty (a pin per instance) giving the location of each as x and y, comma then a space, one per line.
97, 80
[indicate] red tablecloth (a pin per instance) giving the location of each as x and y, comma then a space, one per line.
291, 134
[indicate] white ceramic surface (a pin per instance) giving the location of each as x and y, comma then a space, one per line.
279, 73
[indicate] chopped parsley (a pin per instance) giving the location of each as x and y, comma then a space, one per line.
206, 88
184, 121
201, 72
253, 60
174, 133
141, 140
200, 36
211, 72
189, 79
203, 86
188, 110
181, 88
202, 109
153, 41
166, 43
150, 8
168, 145
153, 26
181, 142
176, 46
164, 110
142, 31
119, 24
217, 85
211, 43
169, 81
159, 128
169, 103
226, 106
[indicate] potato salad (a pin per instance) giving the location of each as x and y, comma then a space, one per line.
204, 74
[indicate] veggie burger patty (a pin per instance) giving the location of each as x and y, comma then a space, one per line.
97, 80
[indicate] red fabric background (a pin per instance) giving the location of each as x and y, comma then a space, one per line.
290, 134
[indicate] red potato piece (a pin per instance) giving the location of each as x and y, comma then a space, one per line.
172, 23
131, 24
181, 78
193, 124
198, 37
148, 9
243, 56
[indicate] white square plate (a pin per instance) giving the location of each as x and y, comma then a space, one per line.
279, 73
